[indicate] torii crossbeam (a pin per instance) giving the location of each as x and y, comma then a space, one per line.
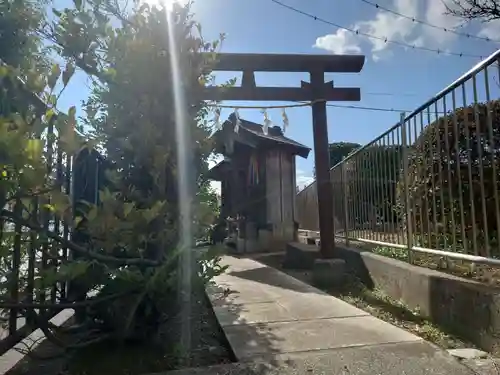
317, 91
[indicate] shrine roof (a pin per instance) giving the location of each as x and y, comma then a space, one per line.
274, 135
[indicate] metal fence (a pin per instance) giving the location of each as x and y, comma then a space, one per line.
429, 184
28, 253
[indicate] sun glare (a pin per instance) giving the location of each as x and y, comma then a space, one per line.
166, 3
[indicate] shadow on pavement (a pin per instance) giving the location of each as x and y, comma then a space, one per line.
271, 276
250, 341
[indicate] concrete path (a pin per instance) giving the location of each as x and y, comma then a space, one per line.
274, 322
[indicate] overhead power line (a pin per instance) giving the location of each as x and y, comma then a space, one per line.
308, 104
371, 36
388, 94
375, 109
428, 24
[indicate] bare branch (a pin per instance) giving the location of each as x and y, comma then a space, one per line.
483, 10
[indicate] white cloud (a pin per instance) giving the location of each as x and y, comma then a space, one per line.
436, 15
342, 42
490, 30
303, 178
389, 26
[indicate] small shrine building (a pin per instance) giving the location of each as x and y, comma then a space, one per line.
258, 183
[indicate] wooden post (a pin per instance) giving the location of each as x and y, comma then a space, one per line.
322, 165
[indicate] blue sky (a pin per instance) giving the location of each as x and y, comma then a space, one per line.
393, 77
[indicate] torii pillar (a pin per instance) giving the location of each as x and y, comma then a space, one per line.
317, 91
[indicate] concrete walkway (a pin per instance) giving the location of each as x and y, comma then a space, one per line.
276, 324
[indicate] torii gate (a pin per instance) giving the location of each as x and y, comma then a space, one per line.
317, 91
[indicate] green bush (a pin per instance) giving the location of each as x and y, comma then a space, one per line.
445, 183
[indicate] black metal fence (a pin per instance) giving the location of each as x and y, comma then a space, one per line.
28, 252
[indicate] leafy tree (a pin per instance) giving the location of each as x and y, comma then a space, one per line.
20, 48
339, 150
209, 209
372, 176
20, 43
126, 248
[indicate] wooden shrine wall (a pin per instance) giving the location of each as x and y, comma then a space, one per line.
280, 193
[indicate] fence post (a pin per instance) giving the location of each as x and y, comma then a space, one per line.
86, 182
343, 182
406, 192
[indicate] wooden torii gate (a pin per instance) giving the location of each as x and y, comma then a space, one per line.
316, 91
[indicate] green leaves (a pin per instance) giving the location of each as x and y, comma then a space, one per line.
54, 76
34, 149
340, 150
65, 272
230, 82
209, 264
4, 71
68, 73
127, 208
67, 135
151, 213
58, 204
20, 44
110, 74
78, 4
49, 114
72, 115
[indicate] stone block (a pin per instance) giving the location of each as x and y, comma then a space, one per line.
328, 272
250, 230
302, 239
468, 353
307, 240
252, 246
483, 366
264, 237
299, 256
240, 245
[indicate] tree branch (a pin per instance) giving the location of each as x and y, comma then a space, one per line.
486, 10
32, 194
43, 324
9, 216
65, 305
